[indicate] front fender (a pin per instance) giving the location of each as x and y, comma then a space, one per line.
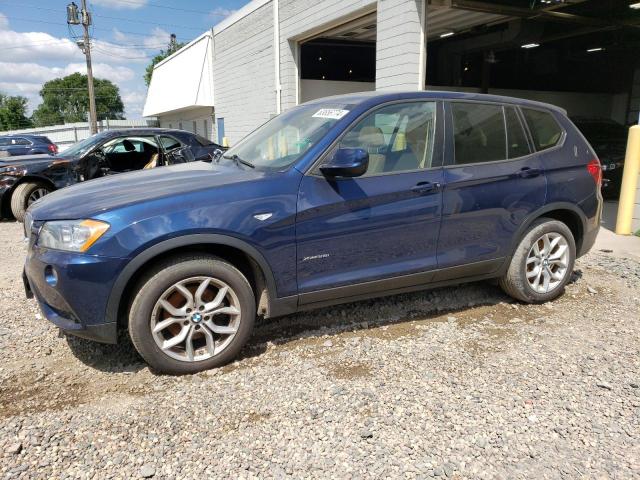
158, 249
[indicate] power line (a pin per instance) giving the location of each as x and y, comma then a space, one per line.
110, 54
130, 46
122, 19
30, 20
167, 7
24, 45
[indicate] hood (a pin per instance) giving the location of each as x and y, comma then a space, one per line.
29, 159
91, 198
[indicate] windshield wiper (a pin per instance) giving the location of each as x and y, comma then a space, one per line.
239, 160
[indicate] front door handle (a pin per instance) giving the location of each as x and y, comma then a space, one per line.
528, 172
425, 187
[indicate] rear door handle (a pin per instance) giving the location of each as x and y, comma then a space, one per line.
528, 172
425, 187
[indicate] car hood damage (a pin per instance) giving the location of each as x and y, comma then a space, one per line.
22, 160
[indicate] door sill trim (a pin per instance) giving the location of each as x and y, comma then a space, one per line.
400, 284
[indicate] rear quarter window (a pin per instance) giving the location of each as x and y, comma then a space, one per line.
544, 128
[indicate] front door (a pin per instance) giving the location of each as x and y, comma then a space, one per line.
383, 224
492, 182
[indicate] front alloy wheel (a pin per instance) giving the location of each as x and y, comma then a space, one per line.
191, 312
196, 318
37, 194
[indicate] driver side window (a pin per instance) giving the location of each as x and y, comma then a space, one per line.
398, 137
131, 153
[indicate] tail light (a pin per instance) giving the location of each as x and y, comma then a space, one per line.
595, 170
53, 148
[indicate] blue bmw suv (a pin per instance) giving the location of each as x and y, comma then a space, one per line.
336, 200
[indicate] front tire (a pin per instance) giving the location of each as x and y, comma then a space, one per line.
191, 313
542, 263
24, 195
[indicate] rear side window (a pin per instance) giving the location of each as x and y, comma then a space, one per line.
479, 133
544, 128
22, 141
517, 145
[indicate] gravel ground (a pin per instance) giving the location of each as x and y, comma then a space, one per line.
450, 383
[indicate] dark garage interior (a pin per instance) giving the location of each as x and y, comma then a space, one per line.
566, 47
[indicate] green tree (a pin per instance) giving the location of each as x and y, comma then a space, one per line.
66, 100
13, 112
171, 49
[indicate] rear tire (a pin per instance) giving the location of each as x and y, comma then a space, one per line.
191, 313
542, 263
24, 195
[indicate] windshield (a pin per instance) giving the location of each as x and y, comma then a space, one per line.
284, 139
83, 146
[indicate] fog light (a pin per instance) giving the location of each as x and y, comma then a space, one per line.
50, 276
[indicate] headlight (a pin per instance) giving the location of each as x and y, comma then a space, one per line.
71, 235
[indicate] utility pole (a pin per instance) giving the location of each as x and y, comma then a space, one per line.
85, 46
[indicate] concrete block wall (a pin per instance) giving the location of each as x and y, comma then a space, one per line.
302, 17
398, 46
244, 74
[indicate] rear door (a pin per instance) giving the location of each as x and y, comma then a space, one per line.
380, 225
492, 181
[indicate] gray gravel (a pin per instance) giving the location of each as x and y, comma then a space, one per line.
450, 383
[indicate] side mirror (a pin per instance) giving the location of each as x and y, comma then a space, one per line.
346, 162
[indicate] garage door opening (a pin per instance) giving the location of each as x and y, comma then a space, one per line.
339, 60
581, 55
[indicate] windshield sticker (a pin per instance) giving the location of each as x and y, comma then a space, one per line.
334, 113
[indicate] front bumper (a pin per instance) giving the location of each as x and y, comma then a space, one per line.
72, 290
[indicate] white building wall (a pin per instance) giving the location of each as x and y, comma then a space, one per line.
312, 89
197, 120
400, 43
303, 18
244, 73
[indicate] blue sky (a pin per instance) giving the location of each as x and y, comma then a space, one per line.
36, 44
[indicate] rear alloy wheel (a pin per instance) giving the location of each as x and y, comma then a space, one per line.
542, 263
24, 195
547, 262
191, 313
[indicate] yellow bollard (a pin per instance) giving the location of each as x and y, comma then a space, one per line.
629, 182
225, 142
